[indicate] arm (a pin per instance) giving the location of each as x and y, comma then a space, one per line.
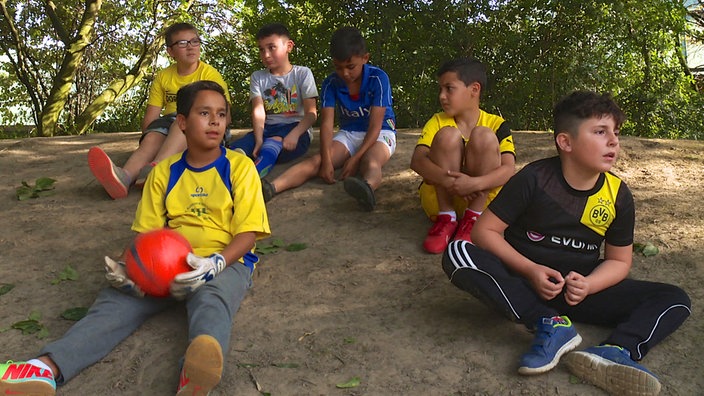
150, 114
326, 171
430, 172
465, 185
258, 119
615, 267
488, 235
376, 118
310, 114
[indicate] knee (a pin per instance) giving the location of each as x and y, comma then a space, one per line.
482, 138
447, 138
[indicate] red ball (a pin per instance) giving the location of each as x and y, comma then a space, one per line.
155, 258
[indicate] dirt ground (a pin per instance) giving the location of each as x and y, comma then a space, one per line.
362, 300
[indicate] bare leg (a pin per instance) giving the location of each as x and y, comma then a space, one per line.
175, 143
308, 169
482, 155
145, 153
446, 152
372, 162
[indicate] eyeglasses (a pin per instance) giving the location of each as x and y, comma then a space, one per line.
195, 42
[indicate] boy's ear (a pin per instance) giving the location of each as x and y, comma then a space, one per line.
289, 45
181, 122
476, 88
365, 58
564, 141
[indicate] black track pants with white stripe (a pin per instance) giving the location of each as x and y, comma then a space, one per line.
642, 313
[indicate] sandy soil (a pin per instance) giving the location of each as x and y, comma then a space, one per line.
362, 300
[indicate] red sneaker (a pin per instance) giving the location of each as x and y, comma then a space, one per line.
439, 234
465, 227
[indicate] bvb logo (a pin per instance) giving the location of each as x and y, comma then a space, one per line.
600, 215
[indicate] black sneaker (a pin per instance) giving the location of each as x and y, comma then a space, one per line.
268, 190
361, 191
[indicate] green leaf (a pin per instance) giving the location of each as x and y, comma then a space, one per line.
68, 273
650, 250
296, 247
43, 332
29, 326
45, 183
350, 340
35, 315
575, 380
5, 288
75, 313
285, 365
352, 383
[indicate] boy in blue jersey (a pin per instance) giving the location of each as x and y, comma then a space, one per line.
464, 155
221, 220
537, 256
367, 136
283, 103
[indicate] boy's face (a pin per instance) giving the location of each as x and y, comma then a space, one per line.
350, 70
206, 122
595, 147
188, 55
273, 51
456, 97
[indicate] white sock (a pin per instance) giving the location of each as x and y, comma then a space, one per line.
38, 363
451, 213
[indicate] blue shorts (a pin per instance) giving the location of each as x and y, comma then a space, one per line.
246, 142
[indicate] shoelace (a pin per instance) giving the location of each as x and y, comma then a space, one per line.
438, 227
465, 225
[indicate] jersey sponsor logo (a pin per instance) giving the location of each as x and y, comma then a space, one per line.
170, 98
198, 209
573, 243
600, 214
600, 208
199, 193
535, 236
357, 113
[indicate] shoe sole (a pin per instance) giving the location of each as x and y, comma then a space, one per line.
101, 166
33, 388
202, 365
361, 191
568, 346
614, 378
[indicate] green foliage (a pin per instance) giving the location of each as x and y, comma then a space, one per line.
277, 244
43, 186
32, 325
75, 314
6, 288
66, 274
536, 52
352, 383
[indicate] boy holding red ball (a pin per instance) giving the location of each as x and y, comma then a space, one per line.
213, 197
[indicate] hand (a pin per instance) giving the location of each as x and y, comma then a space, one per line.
547, 282
257, 147
204, 269
463, 185
117, 276
327, 172
576, 289
349, 168
290, 142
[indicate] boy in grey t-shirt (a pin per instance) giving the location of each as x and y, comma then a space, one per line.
283, 103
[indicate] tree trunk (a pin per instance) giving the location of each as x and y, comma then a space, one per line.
64, 77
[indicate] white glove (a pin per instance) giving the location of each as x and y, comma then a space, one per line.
204, 269
117, 276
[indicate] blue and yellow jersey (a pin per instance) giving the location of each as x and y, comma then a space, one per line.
208, 205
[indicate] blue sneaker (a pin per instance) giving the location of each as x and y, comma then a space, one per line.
553, 338
611, 368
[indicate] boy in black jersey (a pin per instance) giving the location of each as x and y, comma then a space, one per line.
537, 256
